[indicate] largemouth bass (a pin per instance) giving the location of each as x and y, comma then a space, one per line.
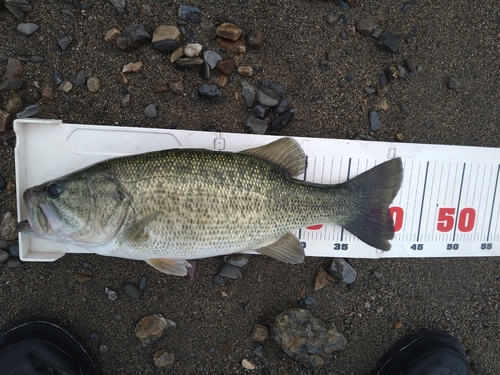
168, 206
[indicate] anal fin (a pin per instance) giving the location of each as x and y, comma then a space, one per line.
175, 267
287, 249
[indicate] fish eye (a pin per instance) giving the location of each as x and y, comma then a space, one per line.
54, 190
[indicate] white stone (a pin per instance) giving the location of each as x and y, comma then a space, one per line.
192, 50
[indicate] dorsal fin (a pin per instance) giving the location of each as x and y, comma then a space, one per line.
285, 152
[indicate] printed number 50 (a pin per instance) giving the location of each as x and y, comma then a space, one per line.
446, 219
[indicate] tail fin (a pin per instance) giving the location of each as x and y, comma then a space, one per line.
376, 188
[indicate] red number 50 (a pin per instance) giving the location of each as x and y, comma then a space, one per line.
446, 219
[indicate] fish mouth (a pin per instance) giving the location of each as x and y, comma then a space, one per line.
37, 224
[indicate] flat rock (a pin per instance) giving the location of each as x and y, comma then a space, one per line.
165, 32
8, 227
133, 37
79, 79
342, 271
212, 58
375, 123
28, 111
249, 93
14, 263
261, 111
237, 260
306, 338
230, 271
3, 256
132, 291
151, 328
162, 358
189, 61
233, 47
119, 5
27, 29
150, 111
112, 35
388, 42
365, 26
11, 84
280, 89
184, 10
210, 92
228, 31
452, 83
282, 106
64, 42
257, 125
267, 96
255, 38
283, 120
204, 70
5, 121
93, 84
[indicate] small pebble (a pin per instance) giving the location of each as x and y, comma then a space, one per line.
93, 84
259, 333
388, 42
66, 87
94, 337
150, 111
257, 125
218, 279
258, 350
132, 67
110, 293
230, 271
14, 250
267, 96
398, 325
211, 58
103, 349
3, 256
237, 260
305, 302
132, 291
163, 359
68, 13
14, 263
28, 111
143, 284
87, 265
369, 90
184, 10
229, 31
210, 92
134, 37
249, 93
79, 79
245, 70
452, 83
283, 120
247, 364
401, 72
126, 101
58, 78
27, 29
261, 111
255, 38
375, 123
341, 270
151, 328
3, 185
82, 277
192, 50
204, 71
64, 42
119, 5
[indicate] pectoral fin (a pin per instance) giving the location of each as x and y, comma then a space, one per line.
135, 232
287, 249
175, 267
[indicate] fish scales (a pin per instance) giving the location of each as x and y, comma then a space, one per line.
215, 203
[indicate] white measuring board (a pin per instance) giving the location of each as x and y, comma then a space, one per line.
448, 204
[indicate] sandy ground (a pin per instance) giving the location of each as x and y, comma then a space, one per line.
307, 54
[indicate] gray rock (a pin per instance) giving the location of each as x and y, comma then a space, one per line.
412, 64
184, 10
110, 293
212, 58
218, 279
282, 106
237, 260
249, 93
343, 271
119, 5
143, 283
58, 78
79, 79
132, 291
133, 37
103, 349
230, 271
27, 29
37, 59
369, 90
280, 89
4, 245
14, 263
17, 7
64, 42
210, 92
11, 84
376, 33
261, 111
258, 126
267, 96
342, 4
401, 71
365, 26
14, 250
68, 13
258, 350
305, 338
283, 120
3, 256
28, 111
150, 111
375, 123
388, 42
452, 83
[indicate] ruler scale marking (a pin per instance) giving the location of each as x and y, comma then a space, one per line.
423, 199
493, 204
458, 203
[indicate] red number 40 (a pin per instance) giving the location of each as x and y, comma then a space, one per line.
446, 219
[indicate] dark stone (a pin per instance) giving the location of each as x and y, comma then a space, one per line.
412, 64
3, 184
268, 96
218, 279
14, 263
87, 265
230, 271
86, 6
31, 94
306, 301
452, 83
343, 34
119, 5
166, 45
193, 17
94, 337
185, 9
37, 59
383, 80
11, 84
64, 42
132, 291
258, 350
280, 89
68, 13
375, 123
342, 271
281, 107
255, 38
258, 126
261, 111
14, 250
342, 4
133, 37
210, 92
58, 78
79, 79
143, 283
205, 70
283, 120
388, 42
